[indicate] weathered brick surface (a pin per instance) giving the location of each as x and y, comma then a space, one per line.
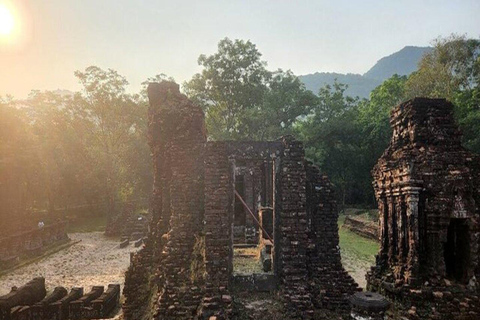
32, 292
185, 268
26, 303
30, 243
362, 227
332, 284
291, 236
219, 184
425, 184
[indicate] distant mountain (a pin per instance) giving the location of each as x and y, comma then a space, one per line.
358, 85
402, 62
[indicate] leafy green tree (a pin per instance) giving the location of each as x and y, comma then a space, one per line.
452, 71
285, 101
331, 137
467, 112
20, 180
232, 81
114, 121
374, 114
374, 123
453, 65
242, 99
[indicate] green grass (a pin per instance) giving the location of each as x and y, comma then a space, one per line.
363, 248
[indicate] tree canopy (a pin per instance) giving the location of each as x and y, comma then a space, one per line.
89, 147
241, 98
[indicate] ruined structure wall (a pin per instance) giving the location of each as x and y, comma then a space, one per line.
219, 186
184, 270
290, 233
332, 284
424, 179
177, 137
182, 130
427, 188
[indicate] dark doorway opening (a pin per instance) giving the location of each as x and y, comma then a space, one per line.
239, 214
457, 250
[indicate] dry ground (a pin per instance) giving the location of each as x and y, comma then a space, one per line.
96, 260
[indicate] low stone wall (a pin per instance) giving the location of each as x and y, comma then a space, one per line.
32, 292
30, 243
31, 303
367, 229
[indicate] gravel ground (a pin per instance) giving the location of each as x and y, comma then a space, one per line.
96, 260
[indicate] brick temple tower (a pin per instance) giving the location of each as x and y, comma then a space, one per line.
428, 191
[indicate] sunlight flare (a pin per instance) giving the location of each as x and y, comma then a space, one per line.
7, 21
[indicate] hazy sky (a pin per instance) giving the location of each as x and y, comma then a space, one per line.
141, 38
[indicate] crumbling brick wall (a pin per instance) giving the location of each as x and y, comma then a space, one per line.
185, 269
425, 182
179, 128
218, 227
291, 238
332, 284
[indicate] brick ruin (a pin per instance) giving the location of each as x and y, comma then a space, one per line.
20, 246
31, 302
428, 191
185, 269
363, 227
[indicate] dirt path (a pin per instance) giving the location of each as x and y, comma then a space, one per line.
96, 260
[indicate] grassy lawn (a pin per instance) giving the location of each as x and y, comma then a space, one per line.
362, 247
358, 253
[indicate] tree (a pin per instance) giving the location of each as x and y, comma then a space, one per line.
111, 117
452, 71
285, 101
374, 123
331, 138
467, 113
232, 81
20, 181
452, 66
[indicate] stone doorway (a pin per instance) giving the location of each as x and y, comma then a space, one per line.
457, 250
253, 212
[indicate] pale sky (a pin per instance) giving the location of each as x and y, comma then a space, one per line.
140, 38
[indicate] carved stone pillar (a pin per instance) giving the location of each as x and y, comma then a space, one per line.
400, 230
383, 217
412, 198
391, 229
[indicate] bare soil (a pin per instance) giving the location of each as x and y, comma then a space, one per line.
96, 260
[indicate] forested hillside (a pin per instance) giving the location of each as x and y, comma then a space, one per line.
403, 62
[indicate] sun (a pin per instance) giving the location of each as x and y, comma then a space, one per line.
7, 22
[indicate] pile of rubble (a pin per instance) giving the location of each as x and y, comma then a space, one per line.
31, 302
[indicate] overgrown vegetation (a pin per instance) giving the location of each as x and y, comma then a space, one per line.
66, 150
90, 147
